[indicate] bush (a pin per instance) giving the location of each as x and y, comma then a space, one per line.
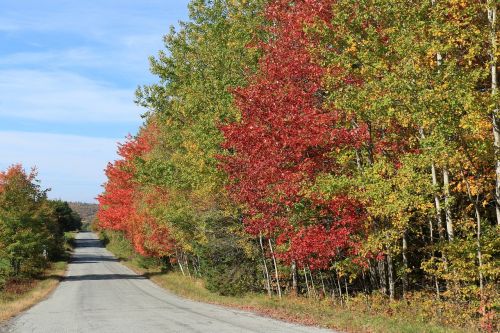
227, 268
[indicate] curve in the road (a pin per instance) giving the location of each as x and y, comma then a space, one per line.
99, 294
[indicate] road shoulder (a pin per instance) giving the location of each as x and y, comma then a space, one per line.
16, 301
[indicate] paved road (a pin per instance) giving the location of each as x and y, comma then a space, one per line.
101, 295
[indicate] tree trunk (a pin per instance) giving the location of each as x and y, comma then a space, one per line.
492, 18
437, 203
179, 258
312, 283
346, 291
340, 288
405, 264
266, 271
479, 252
358, 160
363, 275
391, 276
370, 147
322, 284
333, 291
447, 203
307, 283
186, 262
431, 232
275, 268
382, 276
295, 289
373, 275
200, 274
478, 235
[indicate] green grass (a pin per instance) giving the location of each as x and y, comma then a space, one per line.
69, 240
296, 309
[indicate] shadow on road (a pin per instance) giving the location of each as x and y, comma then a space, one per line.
99, 277
88, 242
91, 259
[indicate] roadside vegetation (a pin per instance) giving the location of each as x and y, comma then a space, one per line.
35, 236
310, 150
20, 295
324, 312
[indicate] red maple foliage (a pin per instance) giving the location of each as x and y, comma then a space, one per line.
16, 171
118, 208
287, 137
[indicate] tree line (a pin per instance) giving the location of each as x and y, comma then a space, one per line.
322, 148
31, 226
87, 211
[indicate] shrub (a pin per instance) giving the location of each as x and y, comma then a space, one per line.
227, 268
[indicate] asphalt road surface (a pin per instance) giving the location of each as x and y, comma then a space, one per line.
101, 295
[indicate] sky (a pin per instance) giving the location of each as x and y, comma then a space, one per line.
68, 73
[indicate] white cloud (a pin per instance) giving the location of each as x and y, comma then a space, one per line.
71, 165
126, 56
80, 56
64, 97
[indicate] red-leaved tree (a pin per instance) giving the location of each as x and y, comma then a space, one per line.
288, 135
119, 204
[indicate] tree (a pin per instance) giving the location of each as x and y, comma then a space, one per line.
67, 219
27, 231
287, 137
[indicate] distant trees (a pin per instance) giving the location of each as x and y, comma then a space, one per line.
86, 211
67, 218
31, 226
340, 147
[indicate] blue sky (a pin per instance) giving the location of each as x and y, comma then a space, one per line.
68, 72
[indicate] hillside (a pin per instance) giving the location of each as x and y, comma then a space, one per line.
87, 211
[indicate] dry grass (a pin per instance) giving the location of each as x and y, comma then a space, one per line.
291, 309
22, 295
296, 309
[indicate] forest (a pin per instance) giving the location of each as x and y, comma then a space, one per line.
32, 227
342, 150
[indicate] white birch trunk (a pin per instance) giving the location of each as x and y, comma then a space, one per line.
478, 235
492, 18
405, 264
275, 268
294, 279
437, 203
266, 271
315, 293
307, 284
447, 203
391, 276
382, 276
322, 283
179, 262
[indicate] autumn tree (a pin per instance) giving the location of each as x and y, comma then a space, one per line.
28, 233
203, 60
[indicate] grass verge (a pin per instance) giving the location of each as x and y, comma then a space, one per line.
22, 295
293, 309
